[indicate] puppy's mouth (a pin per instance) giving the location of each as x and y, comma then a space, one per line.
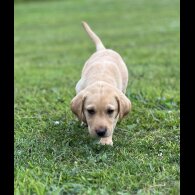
100, 133
102, 136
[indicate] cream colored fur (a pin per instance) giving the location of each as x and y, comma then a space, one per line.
101, 90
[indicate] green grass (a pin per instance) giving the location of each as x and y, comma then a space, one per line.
50, 50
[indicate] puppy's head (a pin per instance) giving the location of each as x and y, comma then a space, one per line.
100, 107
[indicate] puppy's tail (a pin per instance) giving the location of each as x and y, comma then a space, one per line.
98, 43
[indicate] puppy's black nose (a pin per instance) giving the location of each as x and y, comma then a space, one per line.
101, 132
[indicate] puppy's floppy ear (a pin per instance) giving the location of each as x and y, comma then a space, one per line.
124, 104
77, 105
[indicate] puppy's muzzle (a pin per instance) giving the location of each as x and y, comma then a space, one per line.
101, 132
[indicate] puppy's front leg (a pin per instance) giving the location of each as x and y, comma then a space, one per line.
106, 141
83, 124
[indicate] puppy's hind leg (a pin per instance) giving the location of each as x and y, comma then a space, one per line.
79, 86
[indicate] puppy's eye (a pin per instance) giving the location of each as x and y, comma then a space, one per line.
91, 111
110, 111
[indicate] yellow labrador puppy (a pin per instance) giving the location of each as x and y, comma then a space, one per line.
100, 99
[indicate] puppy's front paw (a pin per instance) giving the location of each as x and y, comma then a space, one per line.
106, 141
83, 124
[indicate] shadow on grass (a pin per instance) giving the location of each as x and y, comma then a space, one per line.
70, 141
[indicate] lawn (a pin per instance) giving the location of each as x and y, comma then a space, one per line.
54, 154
